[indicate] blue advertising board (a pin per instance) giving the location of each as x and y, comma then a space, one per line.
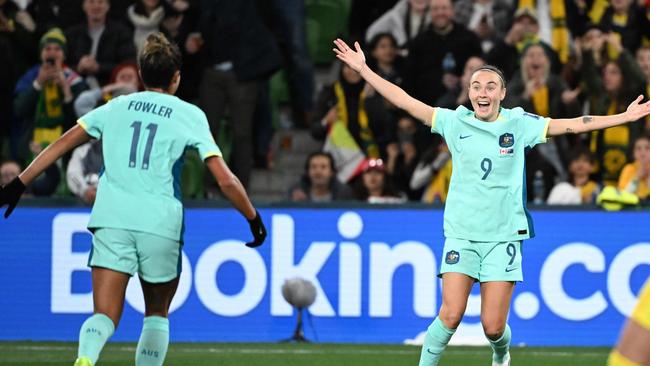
374, 271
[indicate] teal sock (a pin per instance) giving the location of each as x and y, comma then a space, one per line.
153, 343
94, 333
501, 346
438, 335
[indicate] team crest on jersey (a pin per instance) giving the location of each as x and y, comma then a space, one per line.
452, 257
506, 140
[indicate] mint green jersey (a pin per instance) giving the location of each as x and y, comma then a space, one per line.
487, 192
144, 136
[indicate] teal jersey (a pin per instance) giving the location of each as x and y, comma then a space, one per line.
487, 192
144, 136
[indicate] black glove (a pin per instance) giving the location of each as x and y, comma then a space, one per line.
258, 230
10, 195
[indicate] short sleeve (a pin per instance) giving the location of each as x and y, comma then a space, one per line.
93, 121
202, 139
534, 128
440, 119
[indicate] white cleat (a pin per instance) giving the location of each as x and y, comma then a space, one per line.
506, 361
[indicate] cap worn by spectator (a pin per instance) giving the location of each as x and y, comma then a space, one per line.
54, 35
373, 164
526, 12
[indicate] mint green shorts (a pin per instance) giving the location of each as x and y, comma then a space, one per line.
483, 261
156, 259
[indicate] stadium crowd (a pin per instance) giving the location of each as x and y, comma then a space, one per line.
561, 58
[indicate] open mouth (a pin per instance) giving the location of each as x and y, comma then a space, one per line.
483, 107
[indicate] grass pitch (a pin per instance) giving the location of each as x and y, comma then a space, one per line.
270, 354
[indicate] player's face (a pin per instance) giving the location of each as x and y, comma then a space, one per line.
486, 93
320, 172
642, 151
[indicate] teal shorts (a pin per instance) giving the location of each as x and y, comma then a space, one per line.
483, 261
156, 259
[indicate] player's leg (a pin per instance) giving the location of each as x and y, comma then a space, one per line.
500, 270
495, 304
159, 271
632, 348
154, 339
459, 271
112, 261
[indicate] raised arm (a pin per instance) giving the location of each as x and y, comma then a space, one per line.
394, 94
635, 111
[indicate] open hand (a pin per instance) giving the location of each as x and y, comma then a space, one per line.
356, 60
637, 110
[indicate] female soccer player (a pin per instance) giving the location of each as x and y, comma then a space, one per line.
485, 213
137, 218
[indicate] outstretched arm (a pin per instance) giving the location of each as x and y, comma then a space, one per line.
71, 139
635, 111
394, 94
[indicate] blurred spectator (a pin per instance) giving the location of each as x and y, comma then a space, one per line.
459, 95
48, 14
579, 189
610, 92
145, 17
87, 160
288, 18
319, 182
643, 60
541, 92
83, 171
45, 94
626, 21
433, 175
239, 52
374, 185
437, 56
403, 156
98, 45
363, 13
404, 21
551, 18
346, 101
44, 185
124, 80
524, 30
17, 53
179, 25
488, 19
635, 176
384, 58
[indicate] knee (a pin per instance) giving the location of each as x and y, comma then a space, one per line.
451, 318
493, 329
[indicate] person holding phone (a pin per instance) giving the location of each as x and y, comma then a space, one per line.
44, 96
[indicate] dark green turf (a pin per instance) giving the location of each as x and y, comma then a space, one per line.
269, 354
